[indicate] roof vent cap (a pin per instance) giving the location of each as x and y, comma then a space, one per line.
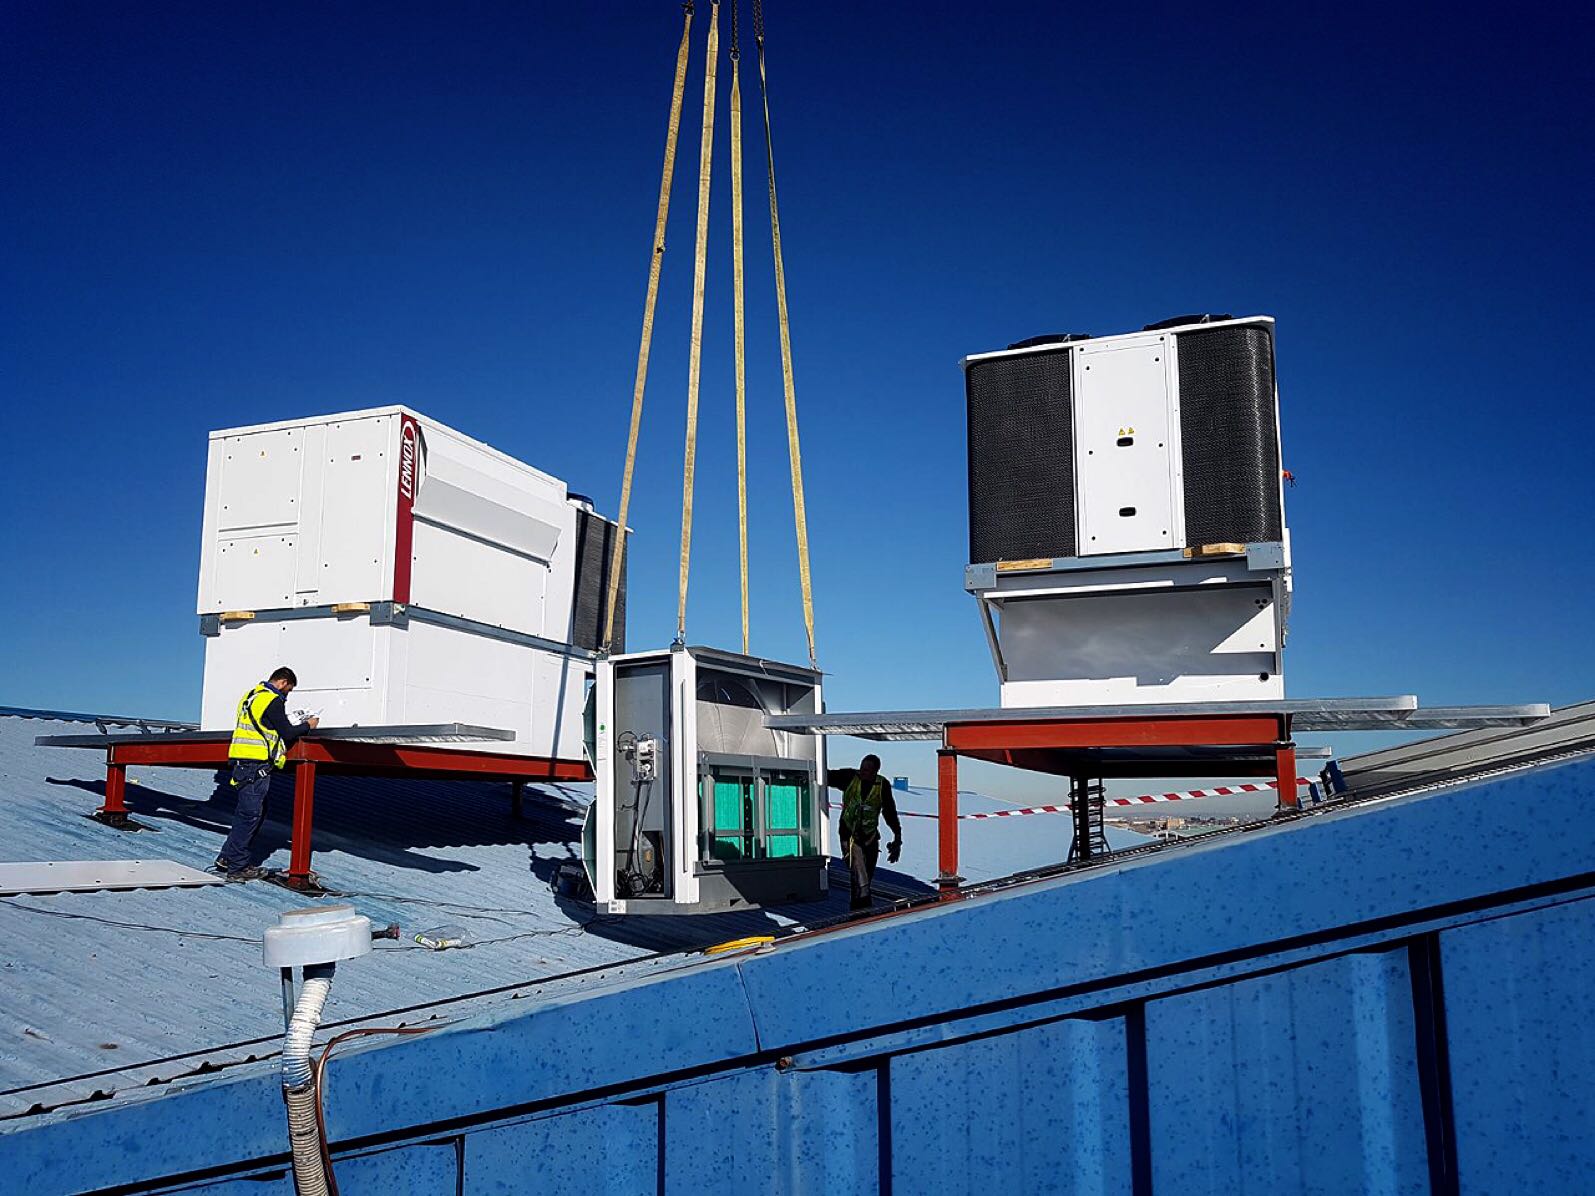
320, 934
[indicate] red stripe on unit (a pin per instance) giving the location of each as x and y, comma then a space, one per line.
404, 525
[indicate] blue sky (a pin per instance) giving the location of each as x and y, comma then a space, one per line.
223, 214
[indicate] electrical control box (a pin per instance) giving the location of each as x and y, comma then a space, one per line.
406, 572
698, 805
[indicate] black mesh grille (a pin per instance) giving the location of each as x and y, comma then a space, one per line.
1021, 458
595, 542
1230, 441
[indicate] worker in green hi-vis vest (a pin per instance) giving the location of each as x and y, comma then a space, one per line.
866, 799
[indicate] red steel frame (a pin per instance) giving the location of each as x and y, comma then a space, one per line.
309, 757
997, 741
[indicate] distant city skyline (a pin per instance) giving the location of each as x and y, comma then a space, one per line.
218, 216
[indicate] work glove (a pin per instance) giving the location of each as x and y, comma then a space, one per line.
893, 850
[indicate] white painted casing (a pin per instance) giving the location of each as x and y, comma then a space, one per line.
388, 509
1159, 622
354, 674
688, 738
309, 513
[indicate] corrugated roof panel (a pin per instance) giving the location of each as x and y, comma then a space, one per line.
102, 985
1274, 1004
98, 985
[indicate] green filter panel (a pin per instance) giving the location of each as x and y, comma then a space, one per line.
730, 796
783, 846
728, 836
782, 805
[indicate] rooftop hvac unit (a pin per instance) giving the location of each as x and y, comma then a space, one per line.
698, 805
1126, 516
407, 573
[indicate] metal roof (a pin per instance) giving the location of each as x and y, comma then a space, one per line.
109, 990
100, 985
103, 720
1569, 731
1362, 997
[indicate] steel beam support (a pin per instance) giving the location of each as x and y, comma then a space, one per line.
299, 874
374, 758
1285, 759
1193, 731
114, 811
309, 756
947, 878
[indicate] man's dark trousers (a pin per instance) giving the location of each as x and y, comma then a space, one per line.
253, 782
861, 867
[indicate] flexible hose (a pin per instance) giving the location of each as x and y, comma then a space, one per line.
298, 1087
306, 1019
304, 1138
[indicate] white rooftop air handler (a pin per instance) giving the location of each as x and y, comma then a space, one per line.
407, 573
698, 805
1126, 515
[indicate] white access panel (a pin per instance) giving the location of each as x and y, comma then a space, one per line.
260, 479
342, 666
1126, 450
255, 566
357, 508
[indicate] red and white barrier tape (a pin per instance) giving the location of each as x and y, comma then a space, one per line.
1143, 799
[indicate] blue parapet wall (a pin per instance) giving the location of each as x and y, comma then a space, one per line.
1391, 997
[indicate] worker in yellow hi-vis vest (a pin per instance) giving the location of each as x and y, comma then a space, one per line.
866, 799
261, 737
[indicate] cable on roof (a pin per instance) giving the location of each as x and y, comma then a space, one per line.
178, 930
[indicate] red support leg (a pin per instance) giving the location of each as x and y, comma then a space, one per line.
114, 811
947, 821
1285, 768
299, 874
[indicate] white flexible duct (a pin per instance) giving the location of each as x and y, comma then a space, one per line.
302, 1028
304, 1139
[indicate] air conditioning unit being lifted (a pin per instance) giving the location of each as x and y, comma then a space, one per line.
698, 805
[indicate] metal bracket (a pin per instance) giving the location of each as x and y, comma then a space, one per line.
992, 640
390, 614
1261, 558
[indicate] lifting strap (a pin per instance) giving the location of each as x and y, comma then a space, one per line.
737, 305
669, 173
799, 515
694, 361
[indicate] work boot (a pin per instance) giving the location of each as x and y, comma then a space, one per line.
221, 869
